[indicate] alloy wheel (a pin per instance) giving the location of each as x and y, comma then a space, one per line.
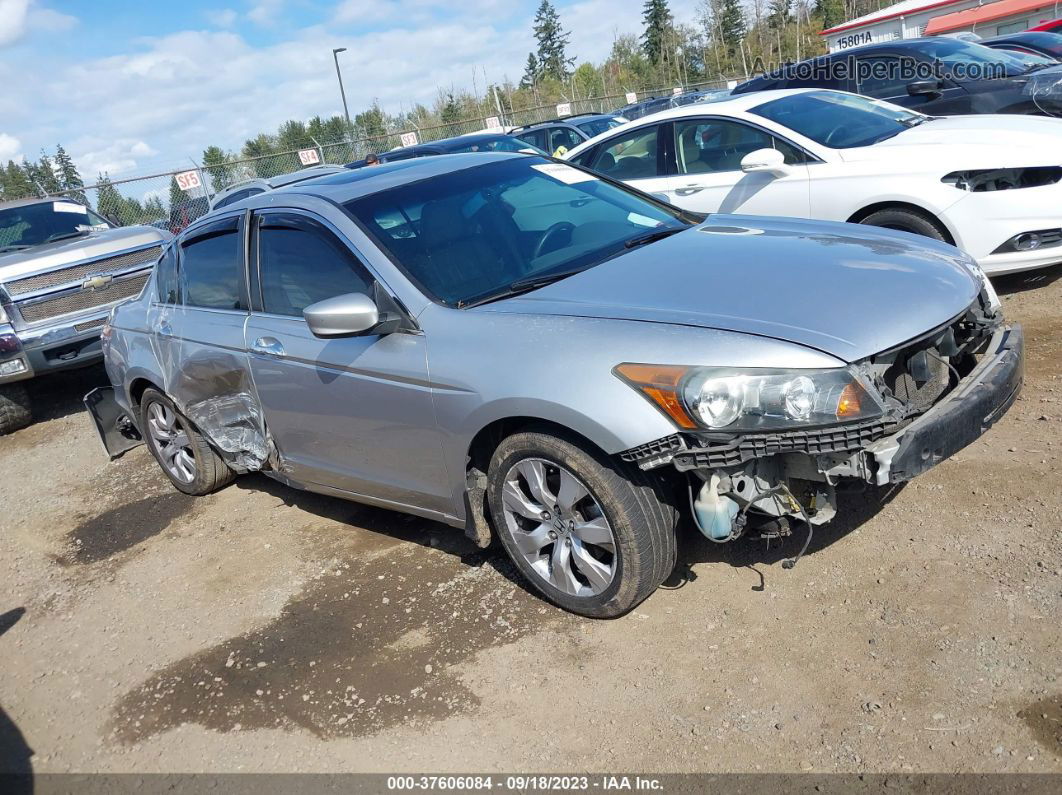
172, 443
558, 527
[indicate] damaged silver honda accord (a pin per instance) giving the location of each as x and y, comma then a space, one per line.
531, 351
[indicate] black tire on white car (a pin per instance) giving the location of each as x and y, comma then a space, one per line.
906, 220
15, 410
183, 454
594, 535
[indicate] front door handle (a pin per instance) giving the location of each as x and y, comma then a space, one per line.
270, 346
165, 328
689, 190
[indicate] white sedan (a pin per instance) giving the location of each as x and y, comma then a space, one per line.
988, 184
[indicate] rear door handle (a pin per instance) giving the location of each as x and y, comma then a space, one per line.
689, 190
270, 346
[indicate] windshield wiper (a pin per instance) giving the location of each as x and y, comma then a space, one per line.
652, 237
518, 287
17, 247
67, 235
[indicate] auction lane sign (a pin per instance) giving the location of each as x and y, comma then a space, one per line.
309, 157
188, 180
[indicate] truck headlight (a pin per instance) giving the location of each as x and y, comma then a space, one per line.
3, 315
716, 398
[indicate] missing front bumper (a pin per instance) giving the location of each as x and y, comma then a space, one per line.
117, 432
972, 408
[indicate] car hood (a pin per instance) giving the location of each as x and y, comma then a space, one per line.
94, 245
847, 290
970, 142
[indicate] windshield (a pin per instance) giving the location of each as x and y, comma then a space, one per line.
1049, 42
966, 60
503, 143
466, 235
598, 126
35, 224
840, 121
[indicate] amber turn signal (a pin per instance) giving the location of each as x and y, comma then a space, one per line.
660, 383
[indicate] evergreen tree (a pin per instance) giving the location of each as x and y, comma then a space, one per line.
831, 11
109, 201
47, 175
219, 166
553, 60
176, 194
69, 178
450, 114
658, 22
731, 24
531, 72
778, 12
153, 210
371, 122
292, 136
17, 184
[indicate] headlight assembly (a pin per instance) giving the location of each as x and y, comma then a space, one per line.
715, 398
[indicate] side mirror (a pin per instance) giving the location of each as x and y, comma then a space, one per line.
765, 161
921, 88
343, 316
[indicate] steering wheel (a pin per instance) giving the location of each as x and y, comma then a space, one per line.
561, 227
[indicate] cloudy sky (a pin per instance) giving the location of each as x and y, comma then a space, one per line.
130, 87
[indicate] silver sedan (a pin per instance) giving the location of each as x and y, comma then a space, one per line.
534, 353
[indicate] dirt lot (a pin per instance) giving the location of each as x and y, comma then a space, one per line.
265, 629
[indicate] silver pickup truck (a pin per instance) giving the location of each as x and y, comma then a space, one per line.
62, 268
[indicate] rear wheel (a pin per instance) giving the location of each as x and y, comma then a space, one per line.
15, 409
593, 535
906, 220
184, 454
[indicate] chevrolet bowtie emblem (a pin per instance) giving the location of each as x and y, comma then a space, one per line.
96, 282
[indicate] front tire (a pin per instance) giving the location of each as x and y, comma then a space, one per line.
906, 220
592, 535
15, 409
182, 453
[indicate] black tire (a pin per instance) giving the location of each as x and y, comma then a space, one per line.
907, 220
15, 411
211, 471
637, 506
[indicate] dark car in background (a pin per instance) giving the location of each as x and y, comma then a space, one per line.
1048, 45
559, 135
476, 142
1054, 26
936, 76
636, 110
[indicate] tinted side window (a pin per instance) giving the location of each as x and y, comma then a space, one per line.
210, 267
300, 262
564, 136
880, 77
166, 277
535, 138
710, 145
629, 156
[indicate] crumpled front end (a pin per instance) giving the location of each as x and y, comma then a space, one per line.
940, 392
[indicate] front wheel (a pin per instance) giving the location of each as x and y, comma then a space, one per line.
182, 452
594, 536
906, 220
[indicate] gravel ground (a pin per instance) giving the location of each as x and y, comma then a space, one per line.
265, 629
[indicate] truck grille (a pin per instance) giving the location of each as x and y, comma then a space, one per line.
78, 273
80, 301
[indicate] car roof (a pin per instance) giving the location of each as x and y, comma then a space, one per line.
1034, 36
567, 120
352, 184
727, 102
7, 205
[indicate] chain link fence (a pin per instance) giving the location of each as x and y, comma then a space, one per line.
173, 199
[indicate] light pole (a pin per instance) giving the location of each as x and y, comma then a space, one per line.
342, 93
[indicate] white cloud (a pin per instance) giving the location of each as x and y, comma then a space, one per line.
10, 148
12, 20
265, 12
97, 156
49, 20
221, 17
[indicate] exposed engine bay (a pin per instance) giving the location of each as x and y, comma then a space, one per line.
753, 485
